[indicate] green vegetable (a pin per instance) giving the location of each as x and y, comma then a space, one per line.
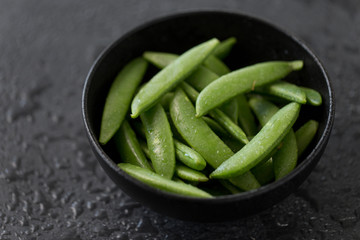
188, 156
189, 174
261, 145
160, 141
223, 49
148, 177
245, 116
170, 76
313, 97
305, 134
264, 172
241, 81
216, 65
119, 97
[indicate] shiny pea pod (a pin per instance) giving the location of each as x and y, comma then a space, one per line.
188, 156
202, 77
224, 48
285, 90
246, 118
129, 147
261, 145
148, 177
219, 130
241, 81
233, 129
159, 140
190, 174
202, 139
285, 158
119, 98
313, 97
170, 76
305, 134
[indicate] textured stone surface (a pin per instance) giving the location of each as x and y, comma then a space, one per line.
51, 184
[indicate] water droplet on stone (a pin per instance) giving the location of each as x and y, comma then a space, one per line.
76, 208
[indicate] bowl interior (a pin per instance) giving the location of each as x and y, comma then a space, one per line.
257, 41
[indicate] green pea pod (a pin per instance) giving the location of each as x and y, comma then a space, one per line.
285, 158
148, 177
170, 76
313, 97
261, 145
305, 134
245, 116
190, 174
145, 149
216, 65
230, 187
129, 148
202, 139
285, 90
264, 172
188, 156
160, 141
224, 48
233, 129
166, 99
241, 81
200, 78
119, 97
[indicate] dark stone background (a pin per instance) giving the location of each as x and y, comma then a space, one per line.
51, 184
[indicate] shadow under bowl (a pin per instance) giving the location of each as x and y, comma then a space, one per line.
257, 41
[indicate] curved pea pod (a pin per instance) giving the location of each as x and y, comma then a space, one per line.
119, 97
285, 90
159, 140
202, 139
190, 174
285, 158
241, 81
261, 145
233, 129
305, 134
216, 65
170, 76
313, 97
148, 177
160, 59
264, 172
219, 130
188, 156
129, 147
224, 48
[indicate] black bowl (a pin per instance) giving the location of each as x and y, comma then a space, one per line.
257, 41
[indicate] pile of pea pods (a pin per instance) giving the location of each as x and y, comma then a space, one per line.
198, 129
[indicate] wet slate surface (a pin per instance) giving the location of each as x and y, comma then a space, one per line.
51, 184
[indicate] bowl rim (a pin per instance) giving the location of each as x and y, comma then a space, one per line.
247, 195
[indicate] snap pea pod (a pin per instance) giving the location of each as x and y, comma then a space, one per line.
284, 90
200, 78
233, 129
148, 177
285, 158
166, 99
129, 148
264, 172
190, 174
245, 116
216, 65
261, 145
170, 76
241, 81
224, 48
313, 97
201, 138
119, 97
305, 134
160, 141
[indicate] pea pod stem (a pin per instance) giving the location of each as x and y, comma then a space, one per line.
170, 76
120, 94
160, 141
261, 145
148, 177
241, 81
